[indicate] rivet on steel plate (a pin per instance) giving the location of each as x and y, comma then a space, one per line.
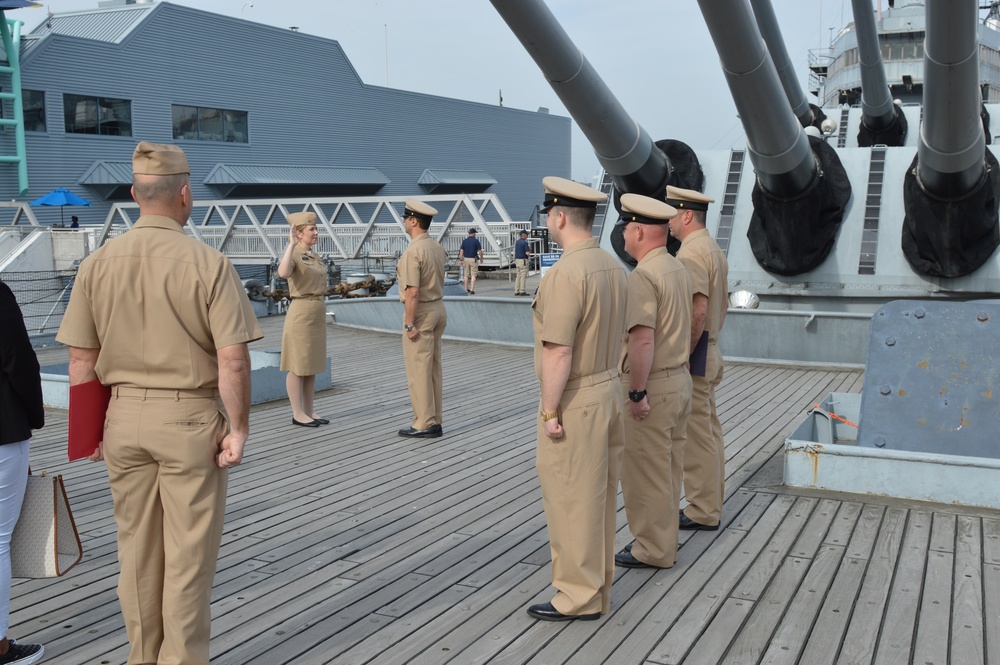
890, 341
982, 317
884, 389
919, 312
880, 442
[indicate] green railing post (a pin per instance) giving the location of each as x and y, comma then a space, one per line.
10, 32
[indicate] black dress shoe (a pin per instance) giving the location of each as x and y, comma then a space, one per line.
628, 548
311, 423
321, 421
431, 432
626, 560
689, 524
546, 612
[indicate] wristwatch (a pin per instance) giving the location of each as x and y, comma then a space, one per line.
637, 395
549, 415
407, 327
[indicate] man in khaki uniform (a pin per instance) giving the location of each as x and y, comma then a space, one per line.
704, 452
578, 317
656, 382
420, 279
164, 320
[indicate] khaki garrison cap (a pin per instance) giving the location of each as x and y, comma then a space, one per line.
419, 209
159, 159
563, 192
644, 210
687, 199
301, 218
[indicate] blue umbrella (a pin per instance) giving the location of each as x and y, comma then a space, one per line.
60, 197
17, 4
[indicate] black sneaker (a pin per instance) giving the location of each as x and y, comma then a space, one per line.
22, 654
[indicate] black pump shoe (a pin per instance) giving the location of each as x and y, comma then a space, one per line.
311, 423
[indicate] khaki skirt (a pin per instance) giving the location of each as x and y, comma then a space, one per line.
303, 339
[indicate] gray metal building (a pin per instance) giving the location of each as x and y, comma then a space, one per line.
261, 112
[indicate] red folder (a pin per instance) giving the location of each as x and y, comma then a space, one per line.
88, 404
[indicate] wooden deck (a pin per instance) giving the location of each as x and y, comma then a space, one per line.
348, 544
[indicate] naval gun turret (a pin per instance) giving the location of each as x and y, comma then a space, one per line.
801, 188
952, 189
882, 121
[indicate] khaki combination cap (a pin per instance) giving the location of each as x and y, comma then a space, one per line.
687, 199
159, 159
301, 218
644, 210
419, 209
563, 192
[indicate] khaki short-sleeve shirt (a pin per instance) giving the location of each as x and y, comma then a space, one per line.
659, 297
308, 276
157, 304
422, 266
581, 303
709, 271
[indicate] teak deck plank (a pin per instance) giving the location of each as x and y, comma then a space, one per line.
350, 545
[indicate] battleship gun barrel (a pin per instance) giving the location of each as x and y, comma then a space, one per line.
802, 188
767, 22
778, 146
951, 148
622, 146
951, 192
877, 108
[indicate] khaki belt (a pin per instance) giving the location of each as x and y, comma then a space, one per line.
664, 373
591, 380
156, 393
308, 297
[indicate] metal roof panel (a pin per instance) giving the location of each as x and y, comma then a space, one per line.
108, 173
279, 174
105, 25
455, 177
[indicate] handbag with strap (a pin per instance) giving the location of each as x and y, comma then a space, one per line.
45, 542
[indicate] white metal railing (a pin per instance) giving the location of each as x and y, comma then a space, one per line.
15, 211
351, 228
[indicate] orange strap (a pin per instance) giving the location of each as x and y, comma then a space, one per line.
834, 415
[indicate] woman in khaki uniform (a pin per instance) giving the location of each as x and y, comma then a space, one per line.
303, 340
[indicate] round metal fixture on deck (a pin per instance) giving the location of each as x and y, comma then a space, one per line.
744, 299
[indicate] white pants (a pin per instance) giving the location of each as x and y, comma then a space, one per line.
13, 480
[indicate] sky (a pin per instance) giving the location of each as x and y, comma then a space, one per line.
656, 56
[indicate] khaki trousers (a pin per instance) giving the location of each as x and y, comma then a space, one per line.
170, 503
705, 452
471, 268
653, 466
579, 478
423, 364
521, 278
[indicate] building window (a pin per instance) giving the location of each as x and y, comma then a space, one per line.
33, 104
97, 115
208, 124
